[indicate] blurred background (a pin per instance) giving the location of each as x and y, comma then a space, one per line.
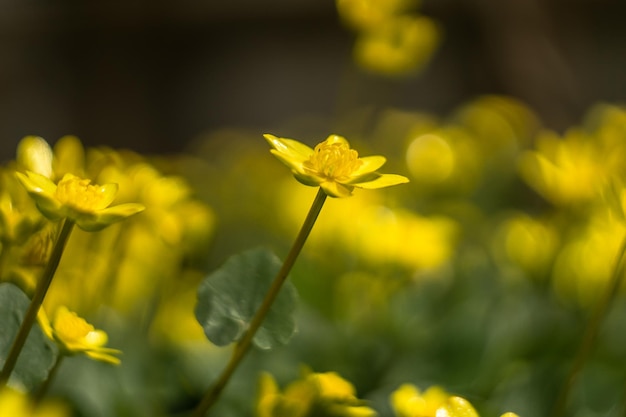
478, 276
154, 75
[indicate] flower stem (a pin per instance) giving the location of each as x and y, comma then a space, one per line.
591, 332
35, 302
242, 346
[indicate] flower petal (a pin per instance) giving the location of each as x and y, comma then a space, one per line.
335, 189
108, 193
383, 180
36, 183
96, 338
457, 407
332, 139
102, 355
92, 222
290, 152
44, 324
308, 179
369, 165
35, 154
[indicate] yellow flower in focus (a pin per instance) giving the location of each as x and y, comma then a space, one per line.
332, 165
77, 199
16, 404
73, 335
319, 394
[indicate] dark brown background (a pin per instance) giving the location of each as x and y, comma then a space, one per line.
153, 75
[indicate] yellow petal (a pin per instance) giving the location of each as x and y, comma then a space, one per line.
457, 407
102, 356
35, 155
36, 183
332, 139
383, 180
369, 165
107, 193
334, 189
92, 222
291, 152
96, 338
44, 323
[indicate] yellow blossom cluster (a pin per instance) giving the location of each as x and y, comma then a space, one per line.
125, 265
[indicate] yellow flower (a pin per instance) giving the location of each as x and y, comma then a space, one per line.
319, 394
77, 199
408, 401
73, 335
16, 404
332, 165
398, 46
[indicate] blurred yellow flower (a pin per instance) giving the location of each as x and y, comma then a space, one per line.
16, 404
19, 219
527, 242
584, 265
409, 401
397, 46
566, 170
332, 165
77, 199
367, 14
319, 394
73, 335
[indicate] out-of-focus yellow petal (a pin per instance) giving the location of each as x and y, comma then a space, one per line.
34, 154
457, 407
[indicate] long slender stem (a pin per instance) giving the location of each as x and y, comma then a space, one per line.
36, 301
591, 332
245, 342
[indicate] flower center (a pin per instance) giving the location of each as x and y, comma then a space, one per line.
71, 328
80, 194
333, 160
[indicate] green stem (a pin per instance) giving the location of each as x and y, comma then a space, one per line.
242, 346
35, 302
43, 389
591, 332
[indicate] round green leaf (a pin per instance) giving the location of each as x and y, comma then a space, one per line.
38, 354
229, 297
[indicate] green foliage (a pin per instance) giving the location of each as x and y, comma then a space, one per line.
229, 297
38, 354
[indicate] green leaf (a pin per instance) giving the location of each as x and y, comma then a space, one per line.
229, 297
38, 354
